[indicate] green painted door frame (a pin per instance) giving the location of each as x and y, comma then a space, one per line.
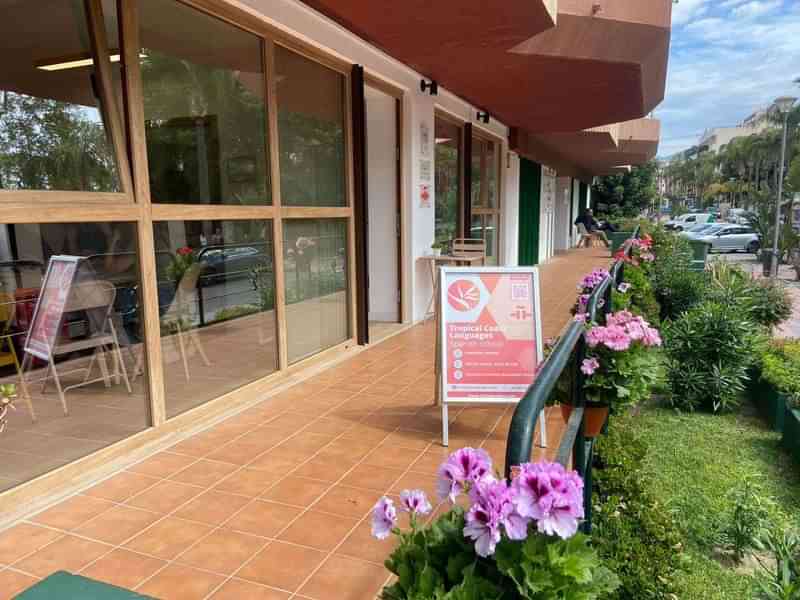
530, 198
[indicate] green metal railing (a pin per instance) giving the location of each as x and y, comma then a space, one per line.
569, 352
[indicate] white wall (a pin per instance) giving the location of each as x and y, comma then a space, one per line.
510, 215
310, 26
562, 224
384, 284
576, 211
547, 214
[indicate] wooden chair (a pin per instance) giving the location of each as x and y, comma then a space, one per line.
586, 238
470, 248
96, 298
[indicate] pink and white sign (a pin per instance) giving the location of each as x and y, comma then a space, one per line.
50, 306
490, 332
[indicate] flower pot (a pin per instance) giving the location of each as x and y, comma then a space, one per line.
436, 251
594, 417
791, 432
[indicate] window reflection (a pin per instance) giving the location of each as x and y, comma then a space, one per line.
315, 273
448, 179
311, 130
97, 375
484, 173
53, 134
216, 292
204, 105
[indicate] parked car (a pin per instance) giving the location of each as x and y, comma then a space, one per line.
230, 262
732, 238
701, 229
689, 220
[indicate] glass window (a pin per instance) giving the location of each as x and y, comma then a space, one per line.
204, 107
484, 226
216, 295
53, 130
311, 131
96, 392
484, 174
315, 266
448, 179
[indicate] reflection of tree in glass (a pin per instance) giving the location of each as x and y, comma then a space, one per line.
46, 144
312, 160
202, 123
447, 178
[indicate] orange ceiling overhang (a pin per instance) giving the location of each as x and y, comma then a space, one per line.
604, 62
597, 151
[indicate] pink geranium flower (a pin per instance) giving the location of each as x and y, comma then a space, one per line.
463, 469
589, 366
551, 496
384, 518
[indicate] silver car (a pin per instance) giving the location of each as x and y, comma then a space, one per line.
731, 238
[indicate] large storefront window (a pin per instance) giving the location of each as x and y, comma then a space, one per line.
204, 106
54, 131
216, 296
484, 194
448, 179
94, 392
315, 266
311, 131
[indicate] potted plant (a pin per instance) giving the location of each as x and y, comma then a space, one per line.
436, 248
619, 367
182, 261
8, 393
514, 540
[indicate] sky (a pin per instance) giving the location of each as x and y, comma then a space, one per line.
728, 58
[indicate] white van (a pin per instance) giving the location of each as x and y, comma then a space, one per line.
689, 220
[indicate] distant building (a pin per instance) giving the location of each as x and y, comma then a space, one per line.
716, 138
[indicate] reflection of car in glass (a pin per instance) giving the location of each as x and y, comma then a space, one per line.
230, 262
688, 220
702, 229
732, 238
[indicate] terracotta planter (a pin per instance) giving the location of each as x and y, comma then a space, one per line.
594, 417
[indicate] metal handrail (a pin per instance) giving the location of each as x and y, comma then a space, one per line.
519, 443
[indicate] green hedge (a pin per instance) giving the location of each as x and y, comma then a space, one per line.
633, 532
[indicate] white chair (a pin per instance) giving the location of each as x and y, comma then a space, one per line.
96, 298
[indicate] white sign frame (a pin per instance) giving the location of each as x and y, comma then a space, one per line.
441, 333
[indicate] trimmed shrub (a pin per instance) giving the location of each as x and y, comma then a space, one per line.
780, 366
710, 349
634, 534
640, 298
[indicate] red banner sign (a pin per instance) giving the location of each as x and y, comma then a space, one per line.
50, 306
490, 332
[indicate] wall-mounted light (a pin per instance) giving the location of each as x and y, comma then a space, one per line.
429, 86
596, 8
76, 61
483, 116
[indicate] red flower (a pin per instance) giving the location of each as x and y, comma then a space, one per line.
185, 251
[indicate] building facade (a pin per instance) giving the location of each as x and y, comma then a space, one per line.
251, 189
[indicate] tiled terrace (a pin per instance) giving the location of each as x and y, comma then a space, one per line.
273, 503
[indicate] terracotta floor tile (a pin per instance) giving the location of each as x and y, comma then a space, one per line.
236, 589
73, 512
262, 518
329, 426
168, 538
306, 442
236, 453
12, 583
417, 440
346, 578
347, 501
163, 464
349, 450
274, 465
248, 482
283, 566
212, 507
298, 491
22, 539
430, 461
117, 524
372, 478
362, 544
318, 530
123, 568
121, 486
205, 473
416, 481
178, 582
290, 423
68, 553
325, 468
165, 496
222, 551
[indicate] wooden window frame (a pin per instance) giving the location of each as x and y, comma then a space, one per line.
497, 209
134, 204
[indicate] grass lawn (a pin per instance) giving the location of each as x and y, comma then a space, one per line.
693, 462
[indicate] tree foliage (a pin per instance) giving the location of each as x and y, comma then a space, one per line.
628, 194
